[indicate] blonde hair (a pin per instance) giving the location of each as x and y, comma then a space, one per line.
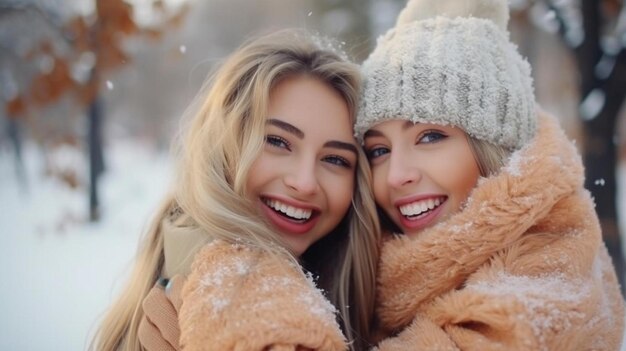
489, 157
225, 136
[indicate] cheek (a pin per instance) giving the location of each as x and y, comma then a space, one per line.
257, 173
464, 178
339, 191
470, 179
379, 180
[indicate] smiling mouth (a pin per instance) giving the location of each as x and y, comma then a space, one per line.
418, 209
294, 214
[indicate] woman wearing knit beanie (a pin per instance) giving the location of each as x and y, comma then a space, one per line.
497, 243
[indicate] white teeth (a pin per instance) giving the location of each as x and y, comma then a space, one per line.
419, 207
293, 212
424, 207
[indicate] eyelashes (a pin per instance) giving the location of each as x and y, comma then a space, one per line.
430, 136
338, 160
279, 142
377, 152
282, 143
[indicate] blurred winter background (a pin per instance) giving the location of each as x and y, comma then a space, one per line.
91, 93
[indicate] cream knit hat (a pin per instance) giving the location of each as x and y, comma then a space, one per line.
450, 62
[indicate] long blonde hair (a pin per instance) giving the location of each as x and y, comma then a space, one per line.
224, 137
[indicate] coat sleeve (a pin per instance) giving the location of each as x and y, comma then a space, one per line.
421, 334
497, 310
467, 321
240, 298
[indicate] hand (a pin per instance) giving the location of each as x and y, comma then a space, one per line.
158, 329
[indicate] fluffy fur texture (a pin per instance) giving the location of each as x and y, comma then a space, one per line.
494, 10
233, 288
521, 267
461, 71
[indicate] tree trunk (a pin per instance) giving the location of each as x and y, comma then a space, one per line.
602, 95
600, 154
13, 132
96, 158
600, 159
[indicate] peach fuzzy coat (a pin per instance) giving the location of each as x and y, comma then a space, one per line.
521, 267
239, 298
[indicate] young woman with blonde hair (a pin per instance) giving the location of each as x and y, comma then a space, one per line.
270, 181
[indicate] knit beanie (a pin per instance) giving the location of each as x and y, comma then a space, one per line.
450, 62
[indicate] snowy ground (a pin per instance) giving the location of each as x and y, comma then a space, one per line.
59, 272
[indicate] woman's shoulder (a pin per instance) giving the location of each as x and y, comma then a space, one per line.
242, 297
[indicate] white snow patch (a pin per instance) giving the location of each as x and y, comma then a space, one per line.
215, 279
241, 267
229, 268
515, 163
60, 272
219, 304
593, 104
575, 36
318, 304
550, 16
605, 67
462, 229
544, 18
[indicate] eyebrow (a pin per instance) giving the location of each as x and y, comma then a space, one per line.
286, 127
408, 124
300, 134
372, 133
341, 145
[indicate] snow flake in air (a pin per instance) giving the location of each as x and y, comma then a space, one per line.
593, 104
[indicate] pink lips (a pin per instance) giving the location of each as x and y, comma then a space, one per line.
286, 225
424, 220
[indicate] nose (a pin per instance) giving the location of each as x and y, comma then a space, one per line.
402, 170
302, 178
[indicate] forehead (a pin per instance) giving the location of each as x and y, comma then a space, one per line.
310, 104
396, 125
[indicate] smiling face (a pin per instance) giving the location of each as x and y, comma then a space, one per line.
304, 178
422, 172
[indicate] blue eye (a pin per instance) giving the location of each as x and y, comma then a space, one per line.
338, 160
431, 136
377, 152
277, 141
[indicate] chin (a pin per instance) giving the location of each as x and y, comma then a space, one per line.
296, 248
